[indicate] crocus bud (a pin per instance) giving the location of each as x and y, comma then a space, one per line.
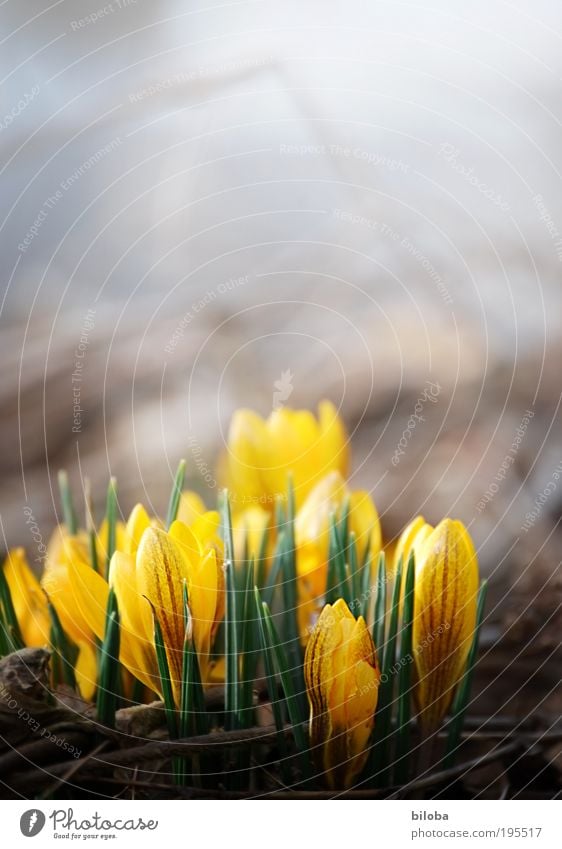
342, 680
445, 596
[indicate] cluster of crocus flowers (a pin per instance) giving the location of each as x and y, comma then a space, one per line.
305, 547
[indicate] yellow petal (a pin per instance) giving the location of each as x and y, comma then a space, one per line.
75, 613
342, 679
103, 540
247, 437
446, 588
248, 528
189, 544
86, 670
138, 522
333, 445
203, 589
136, 651
30, 604
86, 595
191, 507
161, 570
365, 523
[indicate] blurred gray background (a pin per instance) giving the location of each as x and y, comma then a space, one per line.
199, 198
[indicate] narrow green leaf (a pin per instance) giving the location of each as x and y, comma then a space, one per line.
193, 717
386, 689
111, 516
282, 663
232, 684
343, 524
275, 570
401, 761
175, 495
366, 589
380, 605
272, 688
109, 669
290, 598
354, 571
248, 648
460, 702
165, 677
338, 585
68, 510
65, 652
91, 526
261, 561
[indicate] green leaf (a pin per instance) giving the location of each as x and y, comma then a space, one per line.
111, 516
262, 554
386, 689
68, 510
275, 570
343, 524
337, 583
65, 652
290, 599
401, 761
165, 677
232, 684
91, 526
354, 570
109, 668
366, 589
175, 495
460, 702
249, 648
193, 717
294, 707
380, 605
272, 687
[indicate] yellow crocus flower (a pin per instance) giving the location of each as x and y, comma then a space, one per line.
32, 613
312, 524
445, 601
262, 452
156, 572
342, 680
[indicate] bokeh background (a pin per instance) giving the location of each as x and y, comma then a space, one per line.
358, 201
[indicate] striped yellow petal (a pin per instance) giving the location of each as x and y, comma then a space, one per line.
161, 570
445, 598
342, 679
